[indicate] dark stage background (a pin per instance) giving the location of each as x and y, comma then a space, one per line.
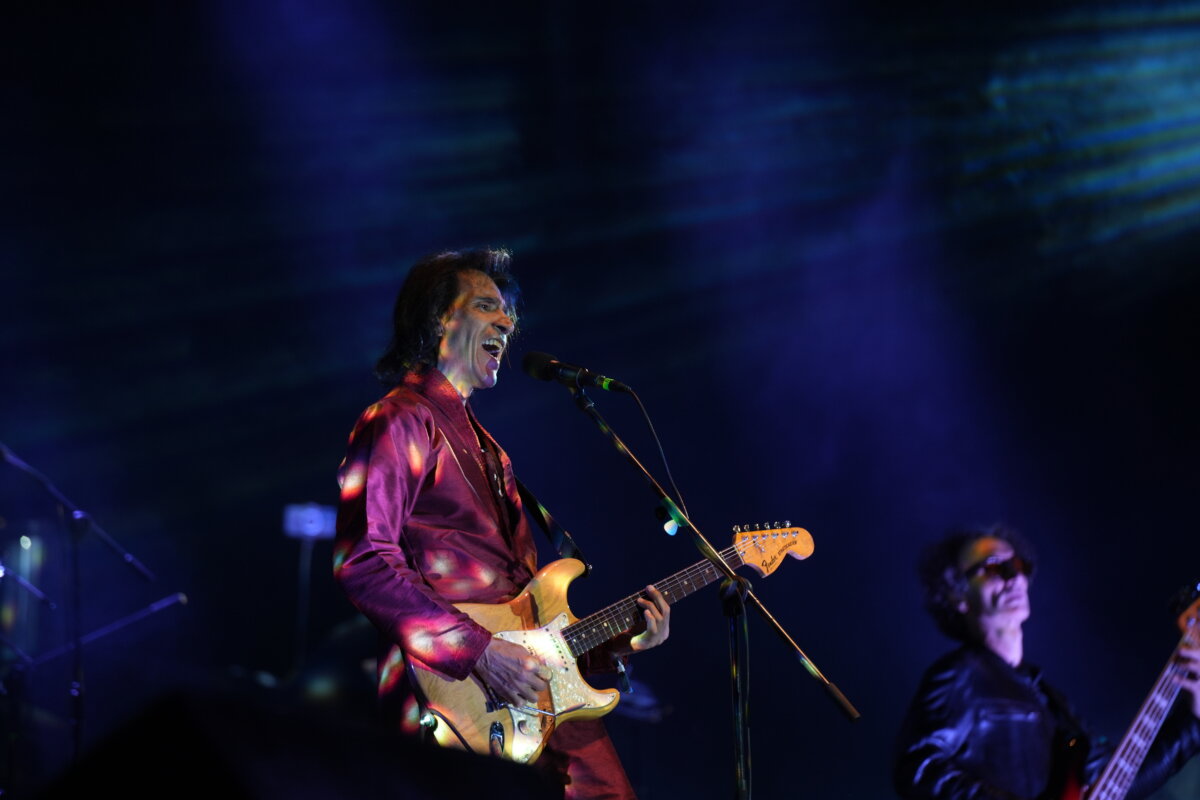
873, 270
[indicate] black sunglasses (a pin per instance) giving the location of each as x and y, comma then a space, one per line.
1007, 569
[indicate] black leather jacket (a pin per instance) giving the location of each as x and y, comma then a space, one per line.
978, 728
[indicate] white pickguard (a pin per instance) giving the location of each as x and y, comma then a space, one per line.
568, 691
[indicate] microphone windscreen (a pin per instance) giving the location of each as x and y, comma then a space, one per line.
539, 365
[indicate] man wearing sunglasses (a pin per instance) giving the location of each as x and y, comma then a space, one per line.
983, 723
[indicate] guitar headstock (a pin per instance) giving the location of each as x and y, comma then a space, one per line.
764, 549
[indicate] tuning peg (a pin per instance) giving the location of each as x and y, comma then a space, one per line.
737, 528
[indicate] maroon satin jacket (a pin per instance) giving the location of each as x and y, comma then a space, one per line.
420, 527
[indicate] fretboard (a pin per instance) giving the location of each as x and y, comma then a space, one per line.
608, 623
1118, 775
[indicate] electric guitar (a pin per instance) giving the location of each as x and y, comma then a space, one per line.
1122, 768
465, 714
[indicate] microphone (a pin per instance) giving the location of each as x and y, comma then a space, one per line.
546, 367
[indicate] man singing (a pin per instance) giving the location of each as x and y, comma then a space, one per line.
430, 514
984, 723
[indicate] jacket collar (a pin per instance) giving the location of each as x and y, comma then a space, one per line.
434, 386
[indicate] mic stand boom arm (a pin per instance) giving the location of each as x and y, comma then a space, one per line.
78, 516
668, 508
77, 522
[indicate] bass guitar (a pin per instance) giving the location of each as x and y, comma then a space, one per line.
465, 714
1122, 768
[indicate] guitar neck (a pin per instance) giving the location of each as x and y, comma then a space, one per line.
1118, 775
609, 623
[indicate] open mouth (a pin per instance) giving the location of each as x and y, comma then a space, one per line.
494, 347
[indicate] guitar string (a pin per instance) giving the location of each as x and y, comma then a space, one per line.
598, 625
1137, 743
597, 628
621, 609
1123, 767
1154, 711
587, 633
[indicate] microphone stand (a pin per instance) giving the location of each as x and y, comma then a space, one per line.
27, 586
673, 519
78, 523
15, 665
179, 598
79, 518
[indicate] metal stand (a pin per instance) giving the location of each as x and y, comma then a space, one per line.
78, 524
733, 601
307, 522
674, 519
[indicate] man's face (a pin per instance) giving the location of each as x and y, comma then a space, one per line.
475, 331
991, 596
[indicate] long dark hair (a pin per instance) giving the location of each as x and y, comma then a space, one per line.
428, 291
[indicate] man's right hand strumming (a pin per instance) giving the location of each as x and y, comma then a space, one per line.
512, 672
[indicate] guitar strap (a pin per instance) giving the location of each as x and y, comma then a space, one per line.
565, 545
562, 541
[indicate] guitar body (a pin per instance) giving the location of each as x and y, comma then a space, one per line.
469, 717
1065, 785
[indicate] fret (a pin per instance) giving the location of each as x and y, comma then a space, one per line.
596, 629
1118, 775
766, 548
